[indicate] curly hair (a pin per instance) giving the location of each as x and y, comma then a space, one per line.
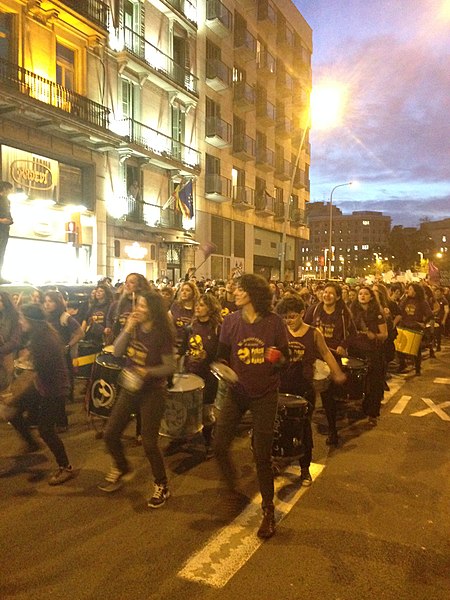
259, 292
214, 308
290, 303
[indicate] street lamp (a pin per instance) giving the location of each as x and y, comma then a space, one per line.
330, 237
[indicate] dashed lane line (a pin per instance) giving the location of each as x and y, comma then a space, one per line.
395, 383
228, 551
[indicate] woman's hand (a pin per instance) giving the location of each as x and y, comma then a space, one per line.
133, 320
341, 351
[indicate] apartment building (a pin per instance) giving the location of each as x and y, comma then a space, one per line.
111, 113
358, 241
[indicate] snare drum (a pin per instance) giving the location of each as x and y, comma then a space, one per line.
184, 407
103, 392
355, 386
83, 363
289, 426
321, 375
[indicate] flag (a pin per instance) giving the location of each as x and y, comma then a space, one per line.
173, 198
186, 200
208, 248
434, 274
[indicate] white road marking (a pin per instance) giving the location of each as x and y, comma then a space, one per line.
433, 408
442, 380
395, 383
225, 553
401, 405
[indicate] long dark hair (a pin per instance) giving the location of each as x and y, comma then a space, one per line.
259, 292
159, 314
373, 308
10, 312
59, 301
214, 309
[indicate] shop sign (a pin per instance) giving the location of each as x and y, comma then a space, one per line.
32, 175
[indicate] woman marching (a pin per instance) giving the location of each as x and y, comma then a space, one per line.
148, 340
305, 344
203, 341
45, 351
416, 313
368, 345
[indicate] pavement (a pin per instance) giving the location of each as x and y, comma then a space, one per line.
374, 524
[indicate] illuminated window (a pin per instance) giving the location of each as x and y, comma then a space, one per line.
363, 247
355, 247
366, 222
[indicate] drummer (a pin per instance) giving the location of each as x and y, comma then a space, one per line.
182, 314
147, 339
305, 344
203, 340
334, 320
253, 342
94, 323
416, 313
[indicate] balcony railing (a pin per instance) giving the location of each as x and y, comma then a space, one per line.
244, 95
217, 187
218, 18
218, 131
264, 203
95, 10
265, 159
297, 216
266, 113
158, 143
283, 170
267, 12
186, 8
266, 63
244, 146
34, 86
245, 44
152, 215
218, 74
279, 210
158, 61
243, 197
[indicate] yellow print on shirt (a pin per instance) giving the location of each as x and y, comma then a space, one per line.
410, 310
137, 352
327, 329
296, 352
251, 351
196, 346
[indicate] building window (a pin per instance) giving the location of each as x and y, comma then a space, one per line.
6, 38
65, 66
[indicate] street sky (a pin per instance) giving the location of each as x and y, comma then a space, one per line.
394, 58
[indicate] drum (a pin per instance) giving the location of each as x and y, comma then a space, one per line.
103, 391
221, 395
184, 407
355, 386
321, 375
223, 372
408, 341
289, 426
83, 363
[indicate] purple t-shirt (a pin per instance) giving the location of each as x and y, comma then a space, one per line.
145, 349
248, 343
202, 338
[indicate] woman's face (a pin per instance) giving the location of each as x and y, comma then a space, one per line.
49, 304
201, 310
131, 284
352, 295
293, 320
364, 296
411, 292
142, 309
100, 294
329, 296
35, 298
241, 297
186, 293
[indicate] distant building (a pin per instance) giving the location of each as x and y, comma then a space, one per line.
439, 232
358, 240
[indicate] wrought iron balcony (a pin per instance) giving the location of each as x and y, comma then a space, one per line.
163, 68
151, 215
218, 132
165, 150
243, 197
52, 94
186, 8
95, 10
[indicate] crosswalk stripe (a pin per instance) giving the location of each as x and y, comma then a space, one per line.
228, 551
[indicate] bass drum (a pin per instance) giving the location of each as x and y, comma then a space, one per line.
355, 386
184, 407
103, 384
289, 426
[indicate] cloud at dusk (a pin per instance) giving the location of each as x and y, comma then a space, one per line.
395, 139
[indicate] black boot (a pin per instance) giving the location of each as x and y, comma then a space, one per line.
267, 527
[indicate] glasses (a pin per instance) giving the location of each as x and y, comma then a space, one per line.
291, 316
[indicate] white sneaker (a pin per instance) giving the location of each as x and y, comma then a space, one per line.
160, 494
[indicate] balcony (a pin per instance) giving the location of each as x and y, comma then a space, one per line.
217, 188
160, 149
285, 83
244, 147
94, 10
244, 96
244, 45
218, 18
184, 11
266, 64
218, 132
279, 211
218, 74
283, 170
297, 217
266, 113
267, 16
264, 204
31, 100
265, 159
300, 97
283, 128
143, 213
243, 197
299, 179
285, 38
144, 58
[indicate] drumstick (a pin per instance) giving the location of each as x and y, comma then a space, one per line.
133, 301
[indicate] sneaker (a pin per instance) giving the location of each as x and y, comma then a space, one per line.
60, 476
267, 527
160, 495
114, 480
305, 477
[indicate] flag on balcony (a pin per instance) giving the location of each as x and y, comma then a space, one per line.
186, 200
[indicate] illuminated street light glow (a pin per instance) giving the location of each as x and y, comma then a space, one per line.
328, 102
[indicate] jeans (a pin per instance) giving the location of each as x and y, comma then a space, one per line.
47, 411
151, 404
263, 411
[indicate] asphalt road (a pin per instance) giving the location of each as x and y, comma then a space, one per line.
374, 524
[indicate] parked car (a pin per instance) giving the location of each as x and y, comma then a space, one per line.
19, 292
72, 292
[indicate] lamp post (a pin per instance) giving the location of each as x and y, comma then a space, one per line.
330, 237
